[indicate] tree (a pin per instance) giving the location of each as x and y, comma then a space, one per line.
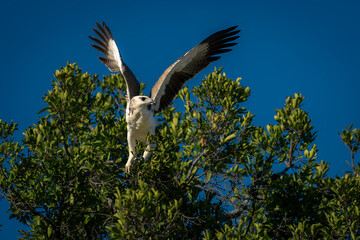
213, 174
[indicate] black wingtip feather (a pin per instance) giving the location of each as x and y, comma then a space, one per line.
223, 34
222, 45
103, 37
230, 39
221, 42
103, 32
220, 51
108, 30
99, 48
101, 43
98, 25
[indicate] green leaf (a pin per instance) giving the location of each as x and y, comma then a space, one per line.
38, 138
230, 137
49, 231
44, 109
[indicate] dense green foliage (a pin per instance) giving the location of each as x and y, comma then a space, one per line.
213, 174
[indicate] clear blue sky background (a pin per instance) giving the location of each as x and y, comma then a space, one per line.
311, 47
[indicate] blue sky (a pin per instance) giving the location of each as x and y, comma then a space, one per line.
309, 47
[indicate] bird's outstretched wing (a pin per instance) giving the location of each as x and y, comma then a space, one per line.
106, 44
190, 64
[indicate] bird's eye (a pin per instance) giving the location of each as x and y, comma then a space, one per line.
143, 99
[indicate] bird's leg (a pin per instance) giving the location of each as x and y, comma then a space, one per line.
149, 148
132, 146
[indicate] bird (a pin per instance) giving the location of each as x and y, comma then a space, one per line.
140, 109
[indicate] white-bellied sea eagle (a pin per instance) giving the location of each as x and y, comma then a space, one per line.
140, 109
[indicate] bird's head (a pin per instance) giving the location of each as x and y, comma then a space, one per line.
142, 102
